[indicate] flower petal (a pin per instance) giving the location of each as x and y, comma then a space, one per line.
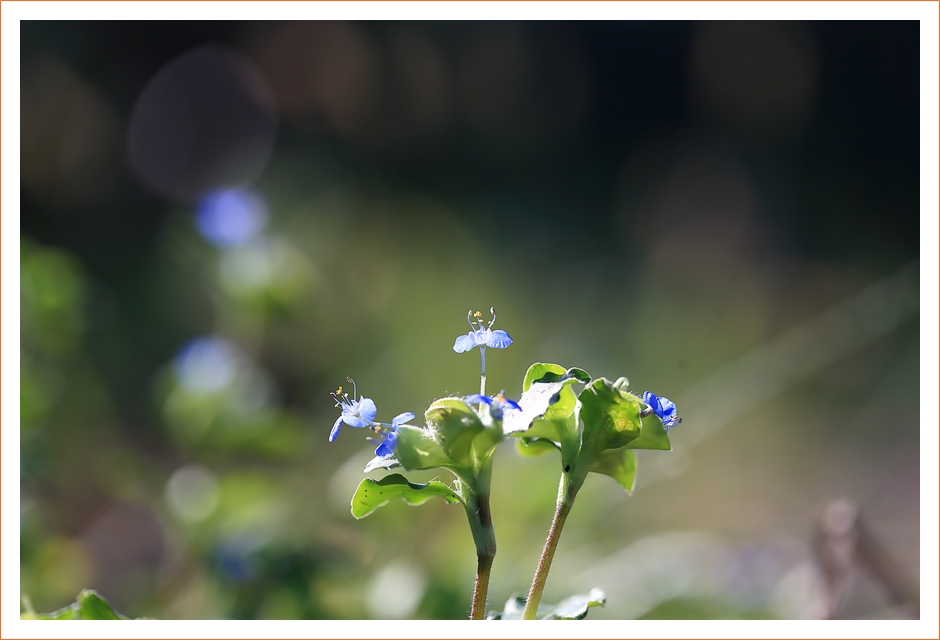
652, 400
367, 409
512, 404
335, 431
669, 407
354, 421
499, 340
464, 343
402, 418
669, 413
476, 398
387, 447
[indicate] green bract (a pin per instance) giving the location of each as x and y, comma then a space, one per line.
595, 431
548, 410
455, 438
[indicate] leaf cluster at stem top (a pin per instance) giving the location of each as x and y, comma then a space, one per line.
596, 431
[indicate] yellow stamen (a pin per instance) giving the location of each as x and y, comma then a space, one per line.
477, 315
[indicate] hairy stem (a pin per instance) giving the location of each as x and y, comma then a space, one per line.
481, 527
478, 607
567, 490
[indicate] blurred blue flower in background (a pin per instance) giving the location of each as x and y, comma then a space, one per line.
664, 408
206, 364
230, 217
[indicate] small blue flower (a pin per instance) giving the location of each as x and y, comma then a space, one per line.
387, 446
664, 408
482, 336
498, 404
355, 414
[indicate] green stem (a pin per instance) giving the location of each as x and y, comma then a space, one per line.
486, 552
484, 537
567, 491
482, 375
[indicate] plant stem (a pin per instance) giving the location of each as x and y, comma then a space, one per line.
482, 377
478, 608
567, 491
481, 527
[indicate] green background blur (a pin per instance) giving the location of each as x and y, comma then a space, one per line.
726, 213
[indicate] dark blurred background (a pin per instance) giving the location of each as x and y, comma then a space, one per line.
222, 220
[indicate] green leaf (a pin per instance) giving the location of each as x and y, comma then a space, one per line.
92, 606
382, 462
573, 608
88, 606
611, 417
534, 447
457, 425
653, 435
372, 494
619, 464
416, 449
547, 402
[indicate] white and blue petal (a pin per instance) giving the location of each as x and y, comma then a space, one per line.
465, 343
367, 409
402, 418
512, 404
335, 431
476, 398
354, 421
498, 339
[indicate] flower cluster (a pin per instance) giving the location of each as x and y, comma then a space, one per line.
361, 413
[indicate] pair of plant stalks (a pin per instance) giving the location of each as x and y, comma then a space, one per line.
481, 526
595, 431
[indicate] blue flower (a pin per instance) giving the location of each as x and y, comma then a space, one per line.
387, 446
498, 404
664, 408
355, 414
482, 336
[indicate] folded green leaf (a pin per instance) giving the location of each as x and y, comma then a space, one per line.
416, 448
457, 425
547, 402
534, 447
573, 608
372, 494
611, 417
619, 464
653, 435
